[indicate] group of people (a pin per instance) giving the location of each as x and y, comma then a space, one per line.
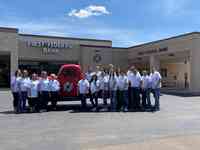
127, 90
38, 90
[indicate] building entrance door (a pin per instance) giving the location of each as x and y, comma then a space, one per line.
175, 70
4, 71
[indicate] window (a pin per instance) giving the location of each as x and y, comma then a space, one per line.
164, 72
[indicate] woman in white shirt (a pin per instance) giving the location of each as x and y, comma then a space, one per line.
146, 103
113, 90
44, 89
15, 89
106, 87
23, 89
94, 87
54, 90
83, 86
101, 85
33, 93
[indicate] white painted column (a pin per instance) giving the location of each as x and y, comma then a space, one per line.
13, 62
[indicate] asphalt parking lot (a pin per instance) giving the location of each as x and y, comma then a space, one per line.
176, 126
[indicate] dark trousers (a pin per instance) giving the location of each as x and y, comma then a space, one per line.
135, 98
105, 97
33, 103
95, 97
44, 99
15, 99
120, 100
129, 97
144, 98
22, 101
54, 98
125, 99
83, 101
91, 98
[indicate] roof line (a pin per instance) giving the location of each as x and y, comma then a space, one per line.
8, 29
165, 39
99, 46
60, 37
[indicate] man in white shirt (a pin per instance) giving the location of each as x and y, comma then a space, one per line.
23, 91
156, 85
135, 82
123, 91
33, 94
54, 90
83, 86
15, 80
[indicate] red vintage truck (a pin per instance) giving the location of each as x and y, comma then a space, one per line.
69, 76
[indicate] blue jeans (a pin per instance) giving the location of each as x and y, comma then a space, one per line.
125, 99
22, 102
113, 99
156, 94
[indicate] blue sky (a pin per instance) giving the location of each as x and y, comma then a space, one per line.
126, 23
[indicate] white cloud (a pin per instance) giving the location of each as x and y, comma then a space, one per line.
172, 7
92, 10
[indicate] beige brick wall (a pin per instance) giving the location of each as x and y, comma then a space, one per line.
9, 45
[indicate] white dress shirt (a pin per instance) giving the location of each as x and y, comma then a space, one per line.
106, 82
146, 82
15, 82
54, 85
155, 79
113, 83
84, 86
44, 85
33, 89
123, 83
24, 84
135, 79
94, 86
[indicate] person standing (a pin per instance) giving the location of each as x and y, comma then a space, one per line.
15, 89
156, 85
44, 89
94, 87
88, 76
101, 86
54, 86
33, 95
135, 82
123, 91
83, 86
105, 88
23, 89
146, 103
113, 90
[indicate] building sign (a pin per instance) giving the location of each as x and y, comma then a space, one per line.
49, 51
153, 51
48, 44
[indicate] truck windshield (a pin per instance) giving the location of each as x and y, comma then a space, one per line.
69, 72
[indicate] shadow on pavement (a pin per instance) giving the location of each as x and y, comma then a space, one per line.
76, 108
